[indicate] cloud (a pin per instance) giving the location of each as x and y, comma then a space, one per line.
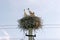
6, 36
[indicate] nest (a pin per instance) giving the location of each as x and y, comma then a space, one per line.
29, 22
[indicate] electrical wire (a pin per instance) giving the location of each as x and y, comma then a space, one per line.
9, 26
42, 25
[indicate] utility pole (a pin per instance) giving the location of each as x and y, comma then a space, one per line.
30, 34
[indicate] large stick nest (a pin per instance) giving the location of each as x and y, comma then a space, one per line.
29, 22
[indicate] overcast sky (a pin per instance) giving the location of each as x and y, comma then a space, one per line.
12, 10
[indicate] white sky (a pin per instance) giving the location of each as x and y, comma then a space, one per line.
48, 10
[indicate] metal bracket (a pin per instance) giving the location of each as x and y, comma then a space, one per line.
31, 35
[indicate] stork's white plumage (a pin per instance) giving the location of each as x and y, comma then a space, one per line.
25, 14
31, 13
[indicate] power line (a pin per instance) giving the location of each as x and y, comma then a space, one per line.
18, 28
42, 25
6, 26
